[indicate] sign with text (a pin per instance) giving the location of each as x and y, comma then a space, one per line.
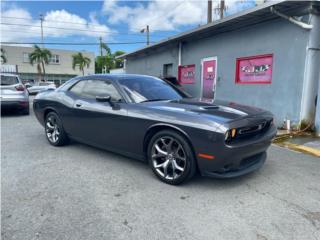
254, 69
186, 74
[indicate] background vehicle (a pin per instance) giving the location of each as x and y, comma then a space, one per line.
13, 93
148, 119
42, 86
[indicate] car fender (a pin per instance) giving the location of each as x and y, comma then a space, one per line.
158, 127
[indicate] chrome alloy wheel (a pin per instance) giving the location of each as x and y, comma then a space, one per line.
168, 157
52, 129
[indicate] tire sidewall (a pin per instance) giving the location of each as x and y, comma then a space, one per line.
190, 162
62, 136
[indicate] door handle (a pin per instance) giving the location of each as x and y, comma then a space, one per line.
78, 104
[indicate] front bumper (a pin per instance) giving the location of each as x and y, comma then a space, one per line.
238, 159
249, 165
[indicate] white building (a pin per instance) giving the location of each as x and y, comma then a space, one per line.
58, 70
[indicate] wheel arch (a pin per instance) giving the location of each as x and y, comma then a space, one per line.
47, 111
152, 130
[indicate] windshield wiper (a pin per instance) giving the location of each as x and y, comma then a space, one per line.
154, 100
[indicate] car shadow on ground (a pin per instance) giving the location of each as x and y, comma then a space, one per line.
197, 181
12, 113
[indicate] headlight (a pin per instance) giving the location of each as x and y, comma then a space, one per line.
230, 134
227, 135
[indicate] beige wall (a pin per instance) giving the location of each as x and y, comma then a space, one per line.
14, 56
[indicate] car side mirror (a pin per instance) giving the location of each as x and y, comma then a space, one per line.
108, 99
103, 98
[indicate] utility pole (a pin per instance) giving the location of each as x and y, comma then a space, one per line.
41, 22
100, 40
148, 35
221, 8
209, 14
147, 32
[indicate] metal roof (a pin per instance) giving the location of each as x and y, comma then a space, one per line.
250, 17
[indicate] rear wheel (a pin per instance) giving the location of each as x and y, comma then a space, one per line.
54, 130
171, 157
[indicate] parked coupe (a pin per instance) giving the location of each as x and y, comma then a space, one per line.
14, 95
42, 86
146, 118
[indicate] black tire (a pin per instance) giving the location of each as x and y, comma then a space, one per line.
26, 111
188, 165
53, 123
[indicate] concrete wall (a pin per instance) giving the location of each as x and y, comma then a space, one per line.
14, 56
286, 41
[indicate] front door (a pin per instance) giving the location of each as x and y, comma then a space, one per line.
98, 123
208, 77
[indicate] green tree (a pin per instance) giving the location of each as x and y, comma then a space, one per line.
80, 61
108, 60
118, 63
3, 56
41, 57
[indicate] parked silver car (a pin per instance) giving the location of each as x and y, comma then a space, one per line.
42, 86
14, 94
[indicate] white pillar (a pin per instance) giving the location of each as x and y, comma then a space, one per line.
311, 76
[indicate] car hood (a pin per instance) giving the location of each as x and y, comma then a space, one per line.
218, 110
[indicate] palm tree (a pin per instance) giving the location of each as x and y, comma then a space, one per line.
80, 61
3, 56
41, 57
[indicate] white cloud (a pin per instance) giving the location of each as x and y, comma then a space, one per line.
164, 14
21, 26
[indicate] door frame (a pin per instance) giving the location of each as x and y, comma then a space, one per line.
201, 75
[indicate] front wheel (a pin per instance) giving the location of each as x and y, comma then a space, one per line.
171, 157
54, 130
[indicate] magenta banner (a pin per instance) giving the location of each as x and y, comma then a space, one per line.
254, 69
186, 74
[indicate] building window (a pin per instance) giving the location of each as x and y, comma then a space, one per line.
55, 59
168, 70
26, 58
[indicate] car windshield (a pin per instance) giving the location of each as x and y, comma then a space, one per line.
146, 89
9, 80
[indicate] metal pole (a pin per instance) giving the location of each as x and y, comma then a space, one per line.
148, 36
100, 40
209, 14
311, 73
41, 22
222, 7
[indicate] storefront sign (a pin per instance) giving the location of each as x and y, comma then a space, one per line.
254, 69
186, 74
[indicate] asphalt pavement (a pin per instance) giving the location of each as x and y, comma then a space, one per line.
80, 192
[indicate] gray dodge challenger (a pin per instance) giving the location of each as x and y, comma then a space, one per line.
146, 118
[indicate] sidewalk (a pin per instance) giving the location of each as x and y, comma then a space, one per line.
306, 142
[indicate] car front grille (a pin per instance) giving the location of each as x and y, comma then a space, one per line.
253, 130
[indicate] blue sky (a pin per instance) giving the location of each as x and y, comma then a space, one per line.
114, 21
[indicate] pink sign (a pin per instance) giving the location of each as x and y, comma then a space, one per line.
208, 77
186, 74
255, 69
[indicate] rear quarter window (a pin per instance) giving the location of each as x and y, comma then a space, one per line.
9, 80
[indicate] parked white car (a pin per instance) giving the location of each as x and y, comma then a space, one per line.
42, 86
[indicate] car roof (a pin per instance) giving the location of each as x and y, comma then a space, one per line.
114, 77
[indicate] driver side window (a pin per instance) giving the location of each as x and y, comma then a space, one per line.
94, 88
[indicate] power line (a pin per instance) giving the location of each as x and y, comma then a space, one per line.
66, 43
72, 29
